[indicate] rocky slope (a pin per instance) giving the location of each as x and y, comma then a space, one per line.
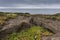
52, 25
11, 25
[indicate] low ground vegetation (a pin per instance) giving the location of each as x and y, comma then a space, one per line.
33, 33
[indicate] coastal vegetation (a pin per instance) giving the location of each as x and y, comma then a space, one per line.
33, 33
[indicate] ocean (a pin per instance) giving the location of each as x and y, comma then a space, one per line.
33, 11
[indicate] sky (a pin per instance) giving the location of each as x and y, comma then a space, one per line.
33, 6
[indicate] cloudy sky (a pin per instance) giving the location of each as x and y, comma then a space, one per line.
30, 4
11, 5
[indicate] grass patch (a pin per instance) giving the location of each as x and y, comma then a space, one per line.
33, 33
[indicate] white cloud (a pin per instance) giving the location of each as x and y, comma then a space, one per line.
26, 6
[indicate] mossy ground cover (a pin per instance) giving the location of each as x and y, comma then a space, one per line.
33, 33
5, 17
53, 17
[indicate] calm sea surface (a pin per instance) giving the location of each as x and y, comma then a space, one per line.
33, 11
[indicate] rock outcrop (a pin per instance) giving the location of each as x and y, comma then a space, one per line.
13, 25
52, 25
